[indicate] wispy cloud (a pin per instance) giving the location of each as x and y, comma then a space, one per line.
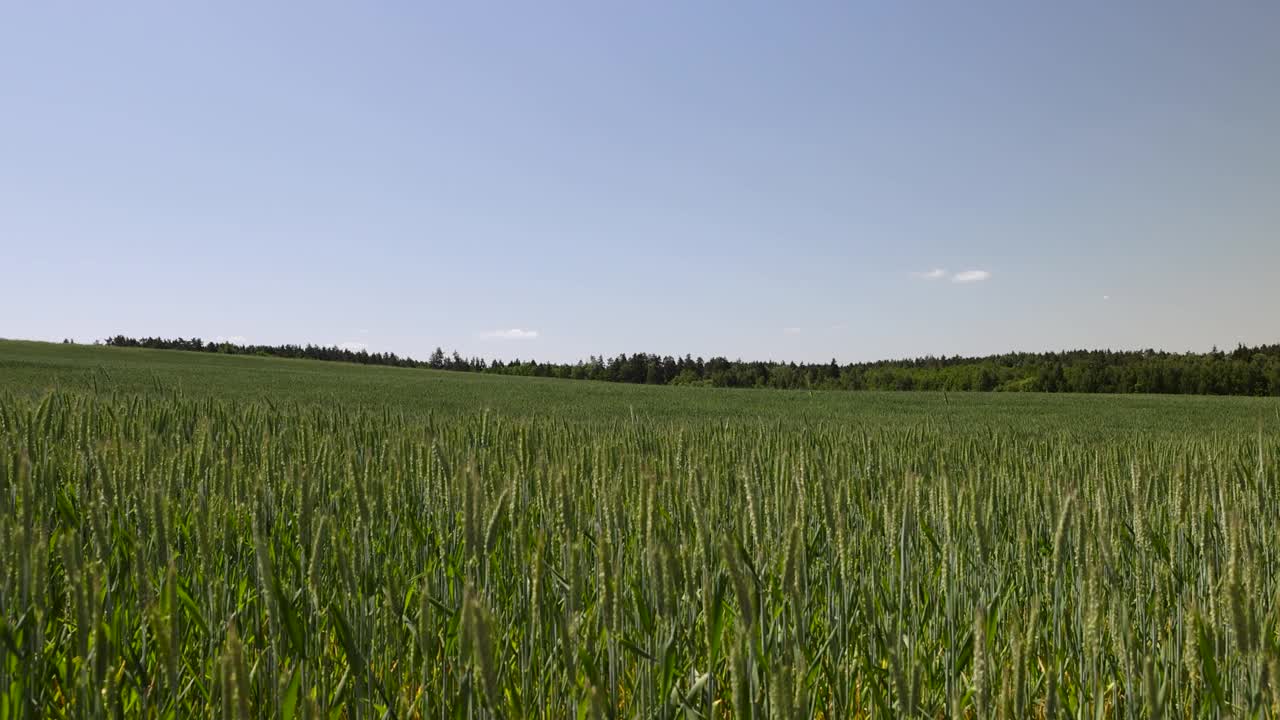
971, 276
354, 347
791, 330
511, 334
1106, 297
934, 274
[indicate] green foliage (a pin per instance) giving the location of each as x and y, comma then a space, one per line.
1244, 371
188, 536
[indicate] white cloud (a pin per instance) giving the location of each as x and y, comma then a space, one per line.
512, 334
969, 276
1106, 297
934, 274
354, 347
791, 330
233, 339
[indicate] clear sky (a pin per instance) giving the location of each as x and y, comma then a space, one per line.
760, 180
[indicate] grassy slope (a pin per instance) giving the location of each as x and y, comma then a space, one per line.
861, 517
34, 368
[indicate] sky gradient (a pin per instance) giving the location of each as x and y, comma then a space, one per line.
553, 180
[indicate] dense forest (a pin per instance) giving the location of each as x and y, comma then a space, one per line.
1243, 371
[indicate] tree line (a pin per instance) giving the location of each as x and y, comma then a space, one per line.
1243, 371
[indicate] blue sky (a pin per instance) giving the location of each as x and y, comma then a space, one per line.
756, 180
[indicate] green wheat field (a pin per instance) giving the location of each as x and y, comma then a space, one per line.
194, 535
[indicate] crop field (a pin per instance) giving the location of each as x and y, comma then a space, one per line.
189, 535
